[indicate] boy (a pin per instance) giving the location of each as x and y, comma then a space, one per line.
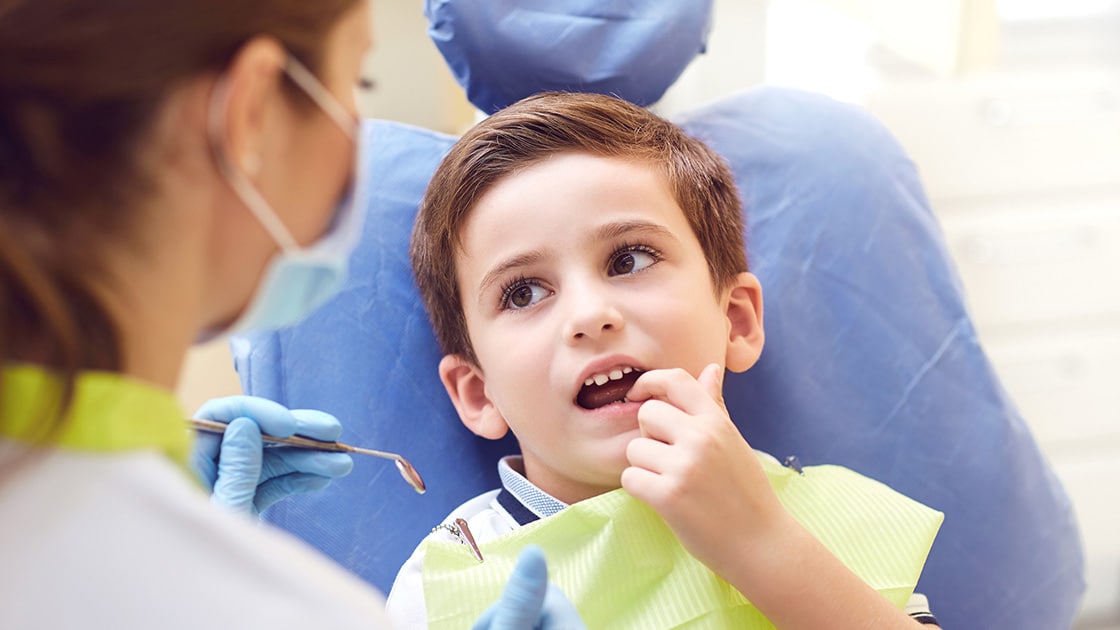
582, 263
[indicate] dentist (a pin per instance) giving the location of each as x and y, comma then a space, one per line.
170, 171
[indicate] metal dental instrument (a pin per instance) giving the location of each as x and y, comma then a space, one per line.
407, 471
462, 533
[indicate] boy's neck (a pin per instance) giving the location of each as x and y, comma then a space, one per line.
560, 489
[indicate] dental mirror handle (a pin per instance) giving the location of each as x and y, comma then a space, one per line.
408, 472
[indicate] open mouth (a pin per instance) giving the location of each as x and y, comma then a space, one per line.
606, 388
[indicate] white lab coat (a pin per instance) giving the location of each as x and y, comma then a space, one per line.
127, 541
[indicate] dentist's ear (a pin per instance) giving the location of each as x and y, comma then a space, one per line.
251, 84
744, 317
466, 385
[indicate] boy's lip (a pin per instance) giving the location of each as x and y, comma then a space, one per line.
602, 366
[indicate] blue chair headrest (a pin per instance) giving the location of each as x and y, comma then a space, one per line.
504, 50
871, 361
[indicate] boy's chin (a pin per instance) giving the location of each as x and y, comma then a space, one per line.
612, 476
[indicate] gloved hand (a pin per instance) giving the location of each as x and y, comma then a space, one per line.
242, 474
529, 601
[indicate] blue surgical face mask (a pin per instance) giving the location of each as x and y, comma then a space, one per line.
298, 279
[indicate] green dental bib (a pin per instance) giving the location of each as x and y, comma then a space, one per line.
622, 567
109, 413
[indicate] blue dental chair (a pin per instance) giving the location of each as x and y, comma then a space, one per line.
871, 359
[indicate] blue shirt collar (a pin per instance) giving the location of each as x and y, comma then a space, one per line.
537, 501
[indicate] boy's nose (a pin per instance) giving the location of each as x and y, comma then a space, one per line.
591, 315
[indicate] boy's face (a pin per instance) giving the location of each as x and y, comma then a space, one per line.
583, 268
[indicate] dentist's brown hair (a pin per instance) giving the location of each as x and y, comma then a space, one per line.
82, 84
547, 124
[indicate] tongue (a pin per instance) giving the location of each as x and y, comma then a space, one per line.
595, 396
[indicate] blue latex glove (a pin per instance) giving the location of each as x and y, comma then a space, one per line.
242, 474
529, 601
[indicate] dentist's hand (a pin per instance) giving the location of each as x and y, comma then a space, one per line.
246, 477
529, 602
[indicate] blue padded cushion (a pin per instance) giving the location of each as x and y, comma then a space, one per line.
501, 51
871, 361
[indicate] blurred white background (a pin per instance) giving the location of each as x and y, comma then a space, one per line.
1010, 109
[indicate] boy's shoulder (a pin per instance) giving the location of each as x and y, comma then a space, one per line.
486, 521
484, 517
472, 507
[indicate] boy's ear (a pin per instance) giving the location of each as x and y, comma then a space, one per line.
466, 386
744, 316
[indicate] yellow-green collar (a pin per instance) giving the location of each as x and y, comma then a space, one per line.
109, 413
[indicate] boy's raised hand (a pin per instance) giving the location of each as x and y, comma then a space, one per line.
693, 467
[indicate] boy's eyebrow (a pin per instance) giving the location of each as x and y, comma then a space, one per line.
520, 260
622, 228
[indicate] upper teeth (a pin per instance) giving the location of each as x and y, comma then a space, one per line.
613, 375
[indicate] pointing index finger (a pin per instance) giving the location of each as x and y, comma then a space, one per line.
678, 388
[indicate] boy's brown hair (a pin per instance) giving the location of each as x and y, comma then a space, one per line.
544, 125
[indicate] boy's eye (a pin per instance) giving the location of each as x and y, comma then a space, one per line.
522, 294
631, 259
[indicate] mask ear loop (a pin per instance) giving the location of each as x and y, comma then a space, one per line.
249, 195
315, 89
